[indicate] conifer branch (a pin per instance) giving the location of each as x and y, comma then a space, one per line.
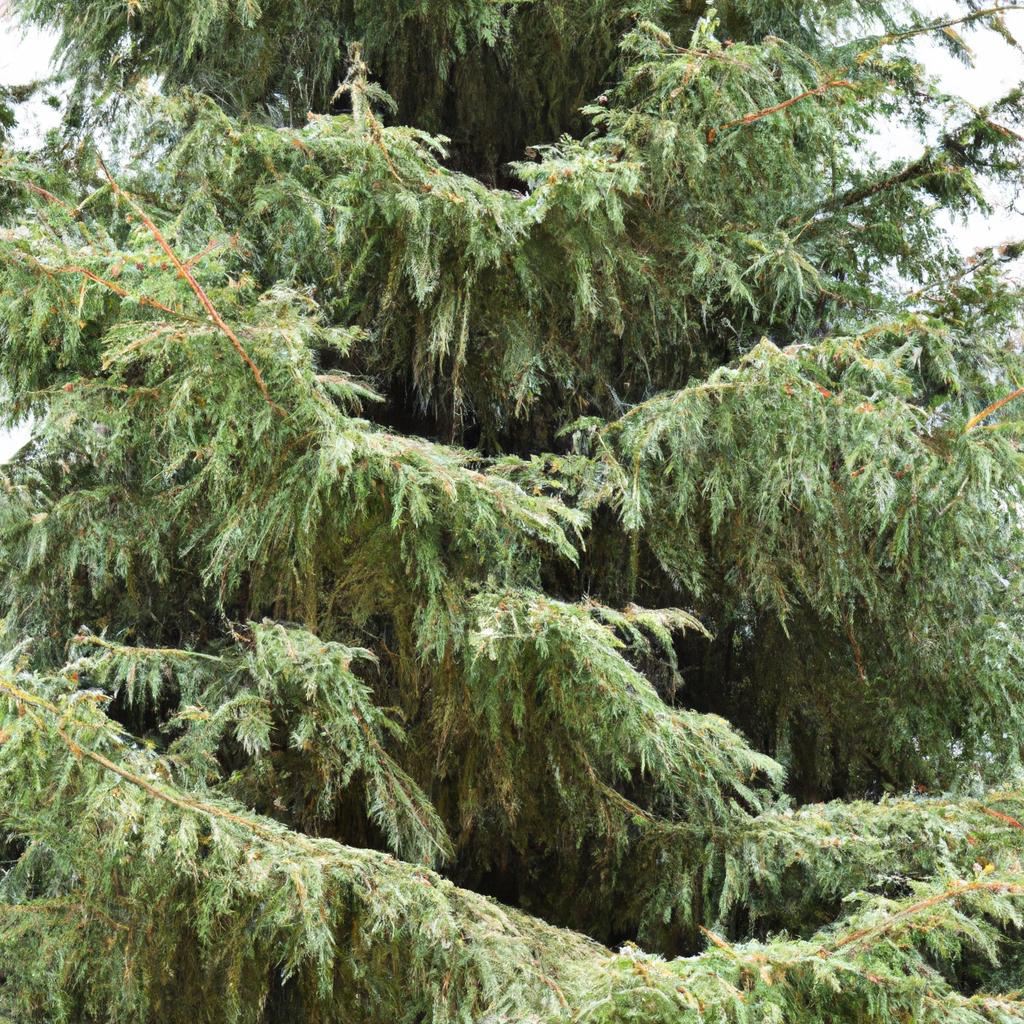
142, 299
999, 816
197, 288
994, 407
123, 293
757, 115
902, 35
860, 935
163, 652
26, 700
50, 198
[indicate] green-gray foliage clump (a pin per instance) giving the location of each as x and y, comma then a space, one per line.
521, 521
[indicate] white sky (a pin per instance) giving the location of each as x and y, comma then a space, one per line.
997, 68
24, 57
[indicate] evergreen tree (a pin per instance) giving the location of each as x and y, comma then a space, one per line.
522, 519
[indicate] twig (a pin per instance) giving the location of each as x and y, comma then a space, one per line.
51, 198
915, 908
143, 300
163, 652
900, 37
839, 83
196, 287
717, 940
857, 656
26, 699
205, 251
993, 813
1000, 254
994, 407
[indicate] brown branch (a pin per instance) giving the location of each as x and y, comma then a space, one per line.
993, 813
857, 656
29, 700
51, 198
915, 908
162, 652
716, 940
139, 343
205, 251
916, 168
999, 254
196, 287
839, 83
143, 300
994, 407
61, 905
939, 26
41, 906
886, 40
923, 164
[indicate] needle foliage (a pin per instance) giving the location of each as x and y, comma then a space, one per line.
521, 521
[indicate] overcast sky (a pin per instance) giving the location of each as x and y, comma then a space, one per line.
997, 68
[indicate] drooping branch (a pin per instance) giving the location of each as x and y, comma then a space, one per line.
903, 35
915, 169
196, 287
143, 300
950, 894
994, 407
27, 701
757, 115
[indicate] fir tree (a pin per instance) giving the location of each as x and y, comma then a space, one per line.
522, 519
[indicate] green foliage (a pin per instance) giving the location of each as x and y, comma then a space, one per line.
251, 904
538, 442
259, 913
831, 484
285, 683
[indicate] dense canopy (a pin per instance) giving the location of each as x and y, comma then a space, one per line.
522, 519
